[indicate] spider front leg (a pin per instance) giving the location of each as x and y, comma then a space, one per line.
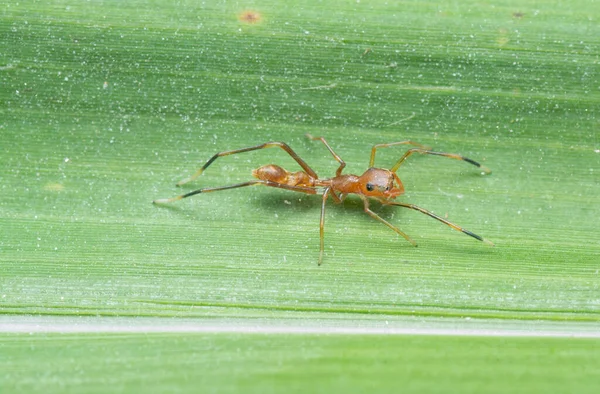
382, 220
375, 147
443, 154
436, 217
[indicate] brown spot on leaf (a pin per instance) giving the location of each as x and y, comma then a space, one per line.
250, 17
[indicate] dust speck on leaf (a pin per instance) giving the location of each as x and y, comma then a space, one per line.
54, 187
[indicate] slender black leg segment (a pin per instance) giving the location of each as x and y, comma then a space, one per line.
448, 155
436, 217
337, 158
377, 217
281, 145
300, 189
322, 225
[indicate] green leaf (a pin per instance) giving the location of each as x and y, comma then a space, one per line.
104, 106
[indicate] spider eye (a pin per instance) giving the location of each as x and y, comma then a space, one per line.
370, 187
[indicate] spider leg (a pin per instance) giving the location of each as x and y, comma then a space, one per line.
436, 217
382, 220
337, 158
338, 199
307, 190
281, 145
448, 155
375, 147
322, 224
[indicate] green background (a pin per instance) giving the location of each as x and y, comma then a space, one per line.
105, 105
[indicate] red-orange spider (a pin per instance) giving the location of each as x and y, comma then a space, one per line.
378, 183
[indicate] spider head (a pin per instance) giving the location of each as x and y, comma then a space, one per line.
380, 183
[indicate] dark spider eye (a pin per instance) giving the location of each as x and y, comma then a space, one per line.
370, 187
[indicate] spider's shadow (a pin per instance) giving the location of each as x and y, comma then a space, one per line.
295, 203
